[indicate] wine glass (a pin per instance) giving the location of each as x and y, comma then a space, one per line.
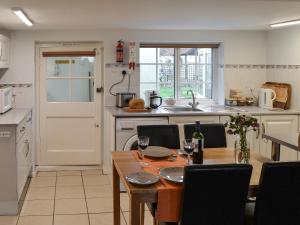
188, 146
143, 142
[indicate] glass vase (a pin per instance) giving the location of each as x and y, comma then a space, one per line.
242, 149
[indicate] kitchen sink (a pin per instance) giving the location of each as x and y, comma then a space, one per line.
181, 109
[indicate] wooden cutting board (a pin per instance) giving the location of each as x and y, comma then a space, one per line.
283, 94
127, 109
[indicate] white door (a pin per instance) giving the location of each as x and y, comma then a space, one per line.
278, 124
69, 105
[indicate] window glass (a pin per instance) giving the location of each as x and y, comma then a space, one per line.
174, 71
82, 90
58, 66
58, 90
82, 66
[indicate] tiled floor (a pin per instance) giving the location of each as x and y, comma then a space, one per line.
70, 198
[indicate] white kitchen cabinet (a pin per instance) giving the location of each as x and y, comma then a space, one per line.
252, 136
181, 120
15, 164
278, 124
4, 51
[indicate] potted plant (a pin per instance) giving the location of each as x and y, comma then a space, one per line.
239, 125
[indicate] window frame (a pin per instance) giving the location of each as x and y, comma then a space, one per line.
177, 65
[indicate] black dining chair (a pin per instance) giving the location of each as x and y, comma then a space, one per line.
214, 194
214, 134
161, 135
278, 198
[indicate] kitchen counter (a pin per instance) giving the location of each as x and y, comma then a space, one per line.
207, 111
13, 116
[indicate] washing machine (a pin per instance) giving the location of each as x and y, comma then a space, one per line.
126, 130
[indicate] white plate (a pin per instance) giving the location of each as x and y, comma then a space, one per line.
157, 152
142, 178
173, 174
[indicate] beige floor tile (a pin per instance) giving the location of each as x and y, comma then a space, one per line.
38, 208
99, 205
70, 206
69, 192
104, 219
69, 173
148, 218
98, 191
69, 181
91, 172
43, 182
46, 174
95, 180
35, 220
8, 220
39, 193
71, 219
124, 202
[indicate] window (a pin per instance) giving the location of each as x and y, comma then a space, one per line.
174, 70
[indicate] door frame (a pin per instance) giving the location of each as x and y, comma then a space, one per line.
98, 46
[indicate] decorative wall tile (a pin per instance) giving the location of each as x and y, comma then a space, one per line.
25, 85
257, 66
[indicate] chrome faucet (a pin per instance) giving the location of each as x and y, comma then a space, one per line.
194, 103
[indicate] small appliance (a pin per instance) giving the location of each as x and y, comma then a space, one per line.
123, 98
152, 99
5, 99
266, 98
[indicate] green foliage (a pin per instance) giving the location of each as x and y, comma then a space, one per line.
240, 124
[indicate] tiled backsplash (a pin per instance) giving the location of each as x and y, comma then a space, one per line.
257, 66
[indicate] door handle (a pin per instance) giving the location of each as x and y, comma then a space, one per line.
27, 148
99, 89
127, 128
96, 125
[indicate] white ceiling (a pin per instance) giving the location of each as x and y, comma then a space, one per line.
149, 14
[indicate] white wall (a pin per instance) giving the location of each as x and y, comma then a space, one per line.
283, 51
240, 47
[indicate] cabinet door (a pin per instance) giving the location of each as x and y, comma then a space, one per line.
181, 120
278, 124
252, 136
4, 52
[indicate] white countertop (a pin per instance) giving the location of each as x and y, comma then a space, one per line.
13, 116
207, 110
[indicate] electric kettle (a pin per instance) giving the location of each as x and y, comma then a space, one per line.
266, 98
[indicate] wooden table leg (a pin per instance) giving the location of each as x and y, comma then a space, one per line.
116, 196
142, 212
275, 155
135, 210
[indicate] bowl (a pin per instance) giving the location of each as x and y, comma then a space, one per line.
170, 101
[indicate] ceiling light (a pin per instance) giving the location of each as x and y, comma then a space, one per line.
286, 23
19, 12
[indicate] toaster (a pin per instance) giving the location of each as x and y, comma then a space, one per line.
123, 98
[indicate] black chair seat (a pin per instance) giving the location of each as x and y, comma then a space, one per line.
161, 135
214, 134
278, 198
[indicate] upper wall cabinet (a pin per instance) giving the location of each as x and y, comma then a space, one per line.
4, 52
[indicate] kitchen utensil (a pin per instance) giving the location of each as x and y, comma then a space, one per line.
266, 98
157, 152
283, 94
123, 98
152, 99
142, 178
173, 174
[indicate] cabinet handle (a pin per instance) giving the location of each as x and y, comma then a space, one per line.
263, 128
27, 148
257, 132
127, 128
22, 129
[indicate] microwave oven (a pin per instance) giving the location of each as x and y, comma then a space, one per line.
5, 99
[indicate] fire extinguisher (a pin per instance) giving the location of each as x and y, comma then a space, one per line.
120, 51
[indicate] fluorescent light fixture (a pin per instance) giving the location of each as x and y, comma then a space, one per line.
286, 23
19, 12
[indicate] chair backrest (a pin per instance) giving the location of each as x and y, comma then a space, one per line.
215, 194
278, 199
161, 135
214, 134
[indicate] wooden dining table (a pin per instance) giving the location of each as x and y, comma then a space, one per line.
125, 163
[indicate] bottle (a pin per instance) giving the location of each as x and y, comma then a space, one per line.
198, 139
